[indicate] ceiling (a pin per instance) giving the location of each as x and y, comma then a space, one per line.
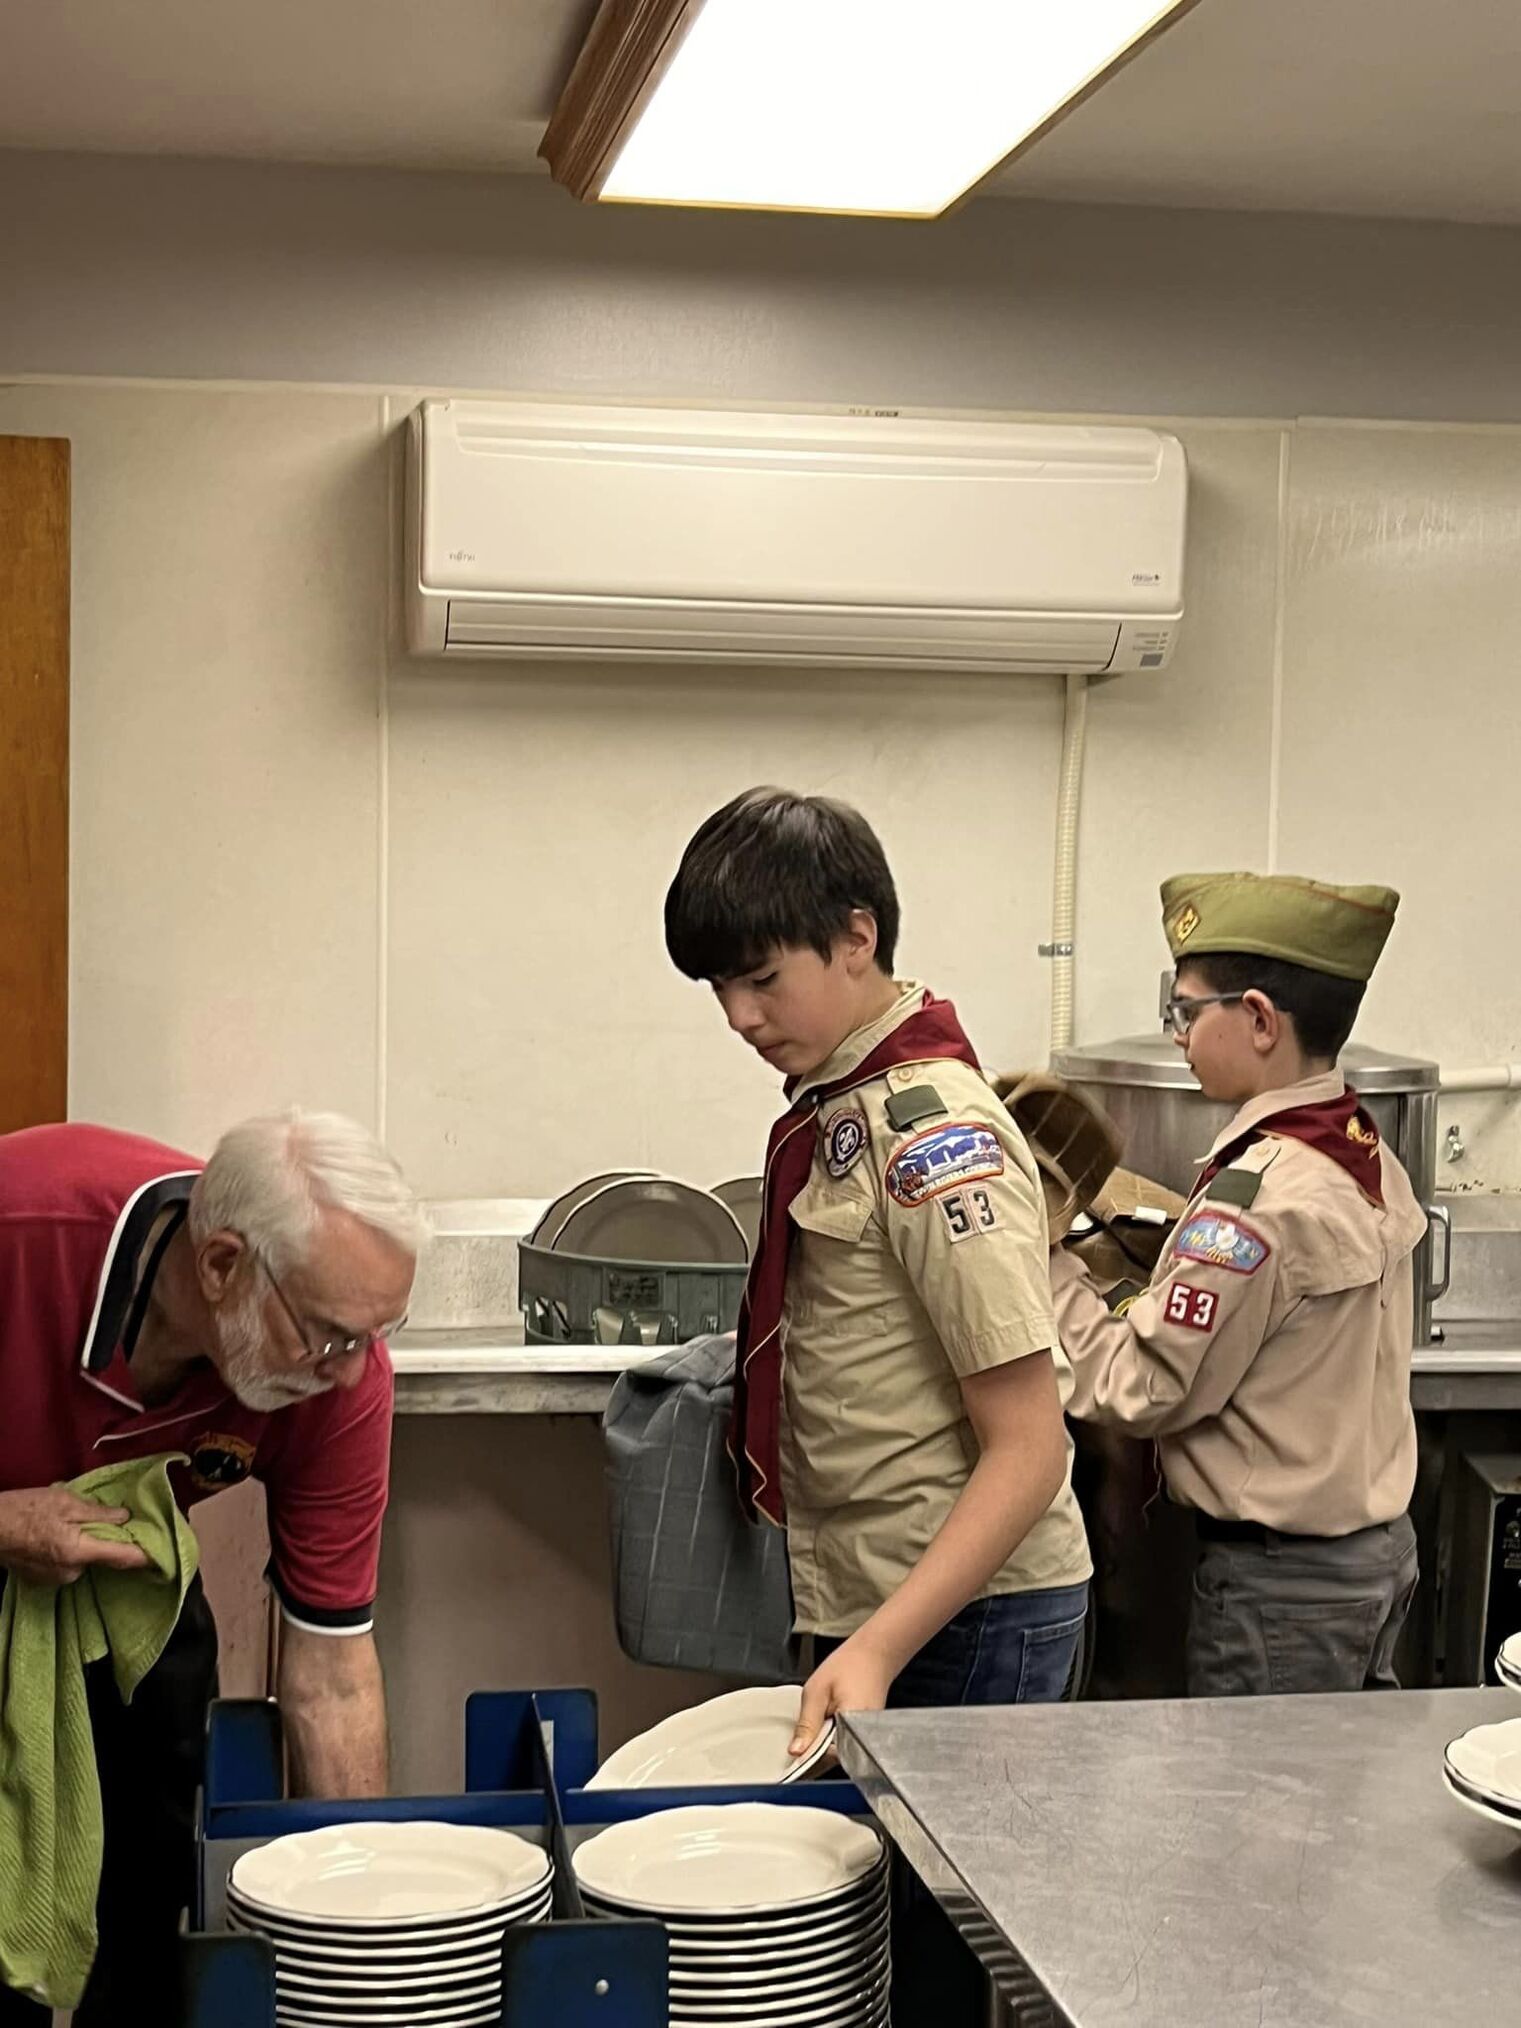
1396, 108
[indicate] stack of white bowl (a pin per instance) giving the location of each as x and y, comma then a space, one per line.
384, 1923
1482, 1767
777, 1917
1508, 1663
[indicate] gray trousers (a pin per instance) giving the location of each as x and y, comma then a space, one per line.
1294, 1613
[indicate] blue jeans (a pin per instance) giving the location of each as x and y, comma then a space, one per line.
1018, 1649
1014, 1650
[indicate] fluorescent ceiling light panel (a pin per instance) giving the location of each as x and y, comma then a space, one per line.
894, 106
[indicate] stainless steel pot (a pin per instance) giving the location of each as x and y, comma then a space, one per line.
1147, 1088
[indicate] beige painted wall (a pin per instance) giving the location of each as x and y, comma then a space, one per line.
307, 868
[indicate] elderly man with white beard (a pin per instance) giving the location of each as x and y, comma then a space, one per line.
236, 1313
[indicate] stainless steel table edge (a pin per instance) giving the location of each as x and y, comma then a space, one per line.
1018, 1994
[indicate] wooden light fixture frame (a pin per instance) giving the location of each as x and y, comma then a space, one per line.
632, 43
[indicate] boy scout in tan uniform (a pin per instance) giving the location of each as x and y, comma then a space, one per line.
916, 1261
1270, 1356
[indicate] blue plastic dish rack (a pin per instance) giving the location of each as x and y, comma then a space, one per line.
528, 1756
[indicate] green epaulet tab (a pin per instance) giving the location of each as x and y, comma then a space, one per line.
1235, 1186
906, 1109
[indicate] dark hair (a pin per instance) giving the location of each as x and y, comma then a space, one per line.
773, 869
1322, 1008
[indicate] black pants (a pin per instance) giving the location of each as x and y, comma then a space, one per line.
149, 1754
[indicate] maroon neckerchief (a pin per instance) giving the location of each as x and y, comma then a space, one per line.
930, 1033
1337, 1127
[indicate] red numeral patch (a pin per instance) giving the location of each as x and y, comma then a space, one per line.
1194, 1308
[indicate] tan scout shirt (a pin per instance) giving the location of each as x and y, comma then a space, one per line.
1275, 1375
895, 1292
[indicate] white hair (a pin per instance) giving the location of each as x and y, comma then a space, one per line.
268, 1178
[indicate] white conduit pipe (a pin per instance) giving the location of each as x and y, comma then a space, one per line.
1497, 1077
1069, 797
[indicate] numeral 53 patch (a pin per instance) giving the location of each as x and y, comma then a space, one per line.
967, 1212
1193, 1308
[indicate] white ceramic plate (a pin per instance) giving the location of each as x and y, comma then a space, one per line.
756, 1929
744, 1196
381, 1874
849, 2008
380, 1958
435, 2000
732, 1970
488, 2016
1508, 1662
833, 1932
867, 2014
739, 1740
845, 1989
397, 2012
424, 1934
1488, 1758
376, 1943
654, 1218
729, 1859
555, 1214
802, 1988
1511, 1823
448, 1973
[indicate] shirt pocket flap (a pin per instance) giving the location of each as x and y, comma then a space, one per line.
834, 1210
1335, 1258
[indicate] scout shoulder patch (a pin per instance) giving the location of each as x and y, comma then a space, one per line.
943, 1159
906, 1109
1215, 1239
1235, 1186
845, 1140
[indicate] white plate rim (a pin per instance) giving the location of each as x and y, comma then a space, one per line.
364, 2017
1471, 1739
589, 1204
572, 1199
380, 1833
378, 1964
690, 1726
373, 1939
827, 1911
840, 2011
736, 1818
875, 2017
717, 1971
469, 1980
477, 2017
829, 1917
1481, 1809
860, 1971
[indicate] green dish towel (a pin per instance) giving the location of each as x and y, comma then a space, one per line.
51, 1835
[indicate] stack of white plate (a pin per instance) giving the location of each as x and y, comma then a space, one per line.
1482, 1770
1508, 1663
389, 1923
777, 1917
739, 1740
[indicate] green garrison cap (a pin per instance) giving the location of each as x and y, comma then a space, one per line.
1340, 930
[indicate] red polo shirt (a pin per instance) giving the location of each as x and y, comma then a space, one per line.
76, 1206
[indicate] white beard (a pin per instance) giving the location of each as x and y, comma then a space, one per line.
241, 1344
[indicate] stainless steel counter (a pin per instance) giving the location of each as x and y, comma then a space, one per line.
1477, 1365
1231, 1863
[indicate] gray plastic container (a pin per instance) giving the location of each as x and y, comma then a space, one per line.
570, 1299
